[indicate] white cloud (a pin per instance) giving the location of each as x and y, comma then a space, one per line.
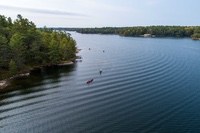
40, 11
102, 12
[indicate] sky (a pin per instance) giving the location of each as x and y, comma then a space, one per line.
104, 13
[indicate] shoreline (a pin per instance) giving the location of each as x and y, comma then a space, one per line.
5, 83
142, 36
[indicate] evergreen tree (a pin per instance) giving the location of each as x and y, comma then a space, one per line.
22, 45
12, 68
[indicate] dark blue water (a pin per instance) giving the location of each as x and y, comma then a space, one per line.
148, 85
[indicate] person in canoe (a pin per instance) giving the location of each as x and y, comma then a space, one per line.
100, 71
90, 81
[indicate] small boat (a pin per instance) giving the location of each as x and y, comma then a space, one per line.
100, 72
89, 81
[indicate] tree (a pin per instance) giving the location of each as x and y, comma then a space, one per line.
22, 45
22, 25
4, 52
12, 68
196, 36
18, 49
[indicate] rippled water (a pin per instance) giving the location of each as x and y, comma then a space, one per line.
147, 85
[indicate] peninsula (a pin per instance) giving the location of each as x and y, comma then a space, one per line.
23, 47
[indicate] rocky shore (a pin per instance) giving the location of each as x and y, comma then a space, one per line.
6, 82
3, 84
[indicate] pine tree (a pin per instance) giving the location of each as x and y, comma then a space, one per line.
12, 68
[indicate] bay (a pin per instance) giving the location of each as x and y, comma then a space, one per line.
146, 85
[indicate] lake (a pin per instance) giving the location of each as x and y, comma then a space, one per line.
147, 85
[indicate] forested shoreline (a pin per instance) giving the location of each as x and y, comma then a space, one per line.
140, 31
23, 46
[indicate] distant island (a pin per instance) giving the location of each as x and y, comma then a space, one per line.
23, 47
143, 31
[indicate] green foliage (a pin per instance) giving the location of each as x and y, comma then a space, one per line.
4, 52
196, 36
23, 25
18, 49
54, 52
158, 31
12, 68
4, 38
22, 44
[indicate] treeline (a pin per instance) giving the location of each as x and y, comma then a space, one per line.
23, 46
158, 31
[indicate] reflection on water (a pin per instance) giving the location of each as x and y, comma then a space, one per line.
37, 77
146, 85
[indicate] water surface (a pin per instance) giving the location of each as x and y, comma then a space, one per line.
147, 85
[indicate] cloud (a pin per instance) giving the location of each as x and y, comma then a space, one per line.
41, 11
